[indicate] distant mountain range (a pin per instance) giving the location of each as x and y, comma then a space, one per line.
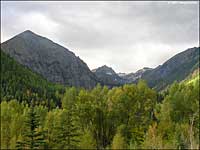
59, 65
132, 77
110, 78
107, 76
176, 68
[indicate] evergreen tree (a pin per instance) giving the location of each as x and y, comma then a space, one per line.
68, 129
32, 137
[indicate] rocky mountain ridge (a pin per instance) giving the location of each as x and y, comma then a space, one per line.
132, 77
108, 76
58, 64
176, 68
54, 62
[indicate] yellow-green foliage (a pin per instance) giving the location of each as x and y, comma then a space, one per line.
123, 117
87, 141
193, 80
119, 142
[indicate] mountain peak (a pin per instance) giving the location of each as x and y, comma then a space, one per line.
54, 62
105, 66
27, 32
105, 69
29, 35
108, 76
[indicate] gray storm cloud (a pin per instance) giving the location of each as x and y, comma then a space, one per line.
124, 35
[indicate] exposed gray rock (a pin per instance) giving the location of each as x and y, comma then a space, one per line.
121, 74
108, 76
54, 62
133, 77
58, 64
175, 69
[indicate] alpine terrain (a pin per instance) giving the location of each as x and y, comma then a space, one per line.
54, 62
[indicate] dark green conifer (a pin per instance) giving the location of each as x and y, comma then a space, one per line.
32, 137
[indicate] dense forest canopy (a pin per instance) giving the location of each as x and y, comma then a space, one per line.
19, 82
36, 114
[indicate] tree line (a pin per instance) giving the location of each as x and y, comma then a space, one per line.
128, 117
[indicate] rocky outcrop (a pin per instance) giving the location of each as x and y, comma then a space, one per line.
54, 62
175, 69
59, 65
108, 76
133, 77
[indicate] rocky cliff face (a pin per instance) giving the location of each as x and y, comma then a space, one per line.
133, 77
59, 65
175, 69
108, 76
54, 62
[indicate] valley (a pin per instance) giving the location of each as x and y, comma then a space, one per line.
64, 67
50, 99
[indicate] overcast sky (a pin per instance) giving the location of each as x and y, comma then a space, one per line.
126, 36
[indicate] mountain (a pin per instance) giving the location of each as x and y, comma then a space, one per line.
59, 65
55, 63
108, 76
132, 77
175, 69
19, 82
193, 77
121, 74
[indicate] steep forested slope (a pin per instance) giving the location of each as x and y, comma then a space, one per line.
175, 69
18, 82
